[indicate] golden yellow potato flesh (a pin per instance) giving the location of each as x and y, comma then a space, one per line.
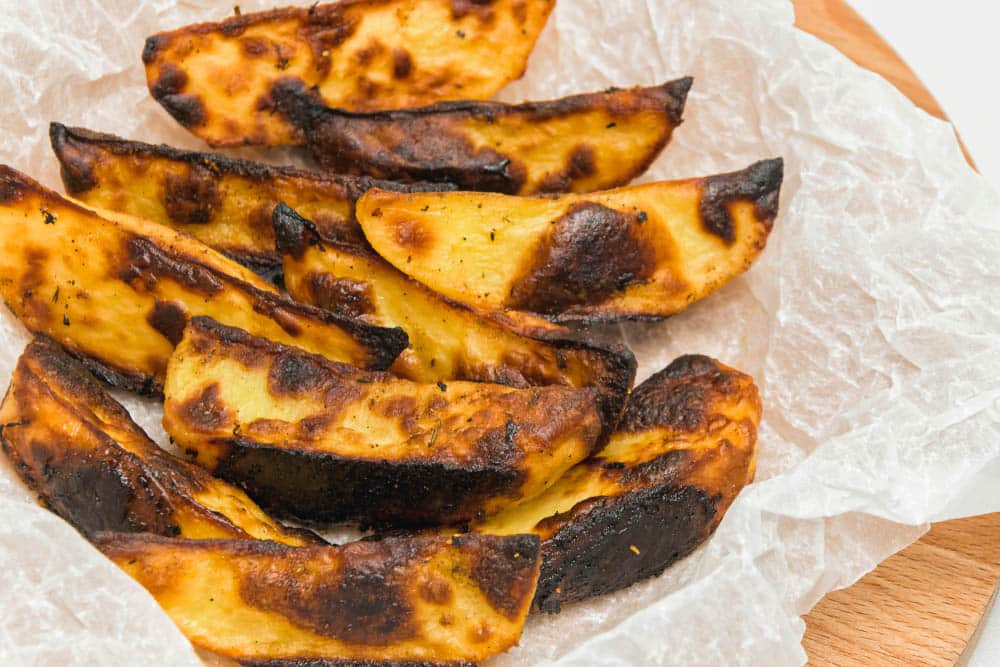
396, 601
325, 442
448, 341
226, 203
216, 79
79, 450
572, 144
640, 252
116, 290
686, 446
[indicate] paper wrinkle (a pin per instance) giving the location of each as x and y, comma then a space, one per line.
870, 323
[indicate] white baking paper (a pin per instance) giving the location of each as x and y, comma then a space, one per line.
871, 323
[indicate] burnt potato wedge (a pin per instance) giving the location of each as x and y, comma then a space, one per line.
573, 144
79, 450
686, 446
116, 291
640, 252
225, 203
216, 79
325, 442
448, 341
397, 601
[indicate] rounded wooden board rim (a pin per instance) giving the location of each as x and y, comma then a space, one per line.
923, 605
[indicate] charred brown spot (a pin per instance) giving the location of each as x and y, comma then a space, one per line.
498, 447
255, 47
169, 318
205, 411
235, 26
187, 110
582, 163
296, 374
76, 160
520, 11
482, 8
403, 408
436, 591
504, 574
96, 493
172, 81
343, 296
191, 199
364, 603
675, 93
260, 220
412, 234
759, 184
325, 28
584, 557
565, 273
679, 396
480, 634
147, 263
152, 47
402, 66
366, 55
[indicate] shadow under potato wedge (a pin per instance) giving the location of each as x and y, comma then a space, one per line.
79, 450
223, 202
216, 79
579, 143
325, 442
686, 446
116, 291
398, 601
639, 252
448, 341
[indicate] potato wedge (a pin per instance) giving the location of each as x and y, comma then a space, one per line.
448, 341
79, 450
641, 252
223, 202
686, 446
216, 78
324, 442
116, 291
397, 601
574, 144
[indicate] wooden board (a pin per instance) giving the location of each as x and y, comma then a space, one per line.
923, 605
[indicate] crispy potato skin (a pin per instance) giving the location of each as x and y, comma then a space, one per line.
416, 600
685, 448
116, 291
573, 144
323, 441
223, 202
448, 341
662, 246
216, 79
80, 451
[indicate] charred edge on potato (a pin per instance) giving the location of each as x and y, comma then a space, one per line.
459, 450
195, 196
685, 448
432, 143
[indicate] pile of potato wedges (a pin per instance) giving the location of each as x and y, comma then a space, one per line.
395, 338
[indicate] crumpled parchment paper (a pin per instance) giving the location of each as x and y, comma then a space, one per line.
871, 323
